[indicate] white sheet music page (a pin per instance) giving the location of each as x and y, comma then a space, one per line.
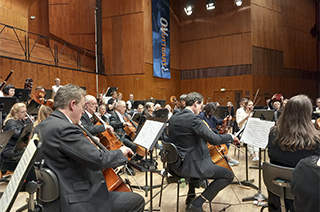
256, 132
148, 133
16, 178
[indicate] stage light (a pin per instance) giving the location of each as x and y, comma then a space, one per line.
188, 8
238, 2
211, 4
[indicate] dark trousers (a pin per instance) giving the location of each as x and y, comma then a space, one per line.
126, 202
222, 177
275, 206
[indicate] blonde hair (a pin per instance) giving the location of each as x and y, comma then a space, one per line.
43, 113
13, 112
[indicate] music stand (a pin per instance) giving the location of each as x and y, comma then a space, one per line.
19, 175
266, 115
4, 138
147, 137
221, 112
6, 104
22, 94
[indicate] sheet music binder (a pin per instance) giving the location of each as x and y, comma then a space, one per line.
149, 134
20, 173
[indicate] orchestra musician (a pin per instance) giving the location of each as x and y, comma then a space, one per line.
43, 113
9, 90
78, 163
292, 139
117, 121
56, 87
87, 118
190, 134
16, 121
180, 105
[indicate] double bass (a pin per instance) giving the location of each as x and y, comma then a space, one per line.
113, 181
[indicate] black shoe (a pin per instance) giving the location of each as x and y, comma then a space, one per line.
192, 208
189, 199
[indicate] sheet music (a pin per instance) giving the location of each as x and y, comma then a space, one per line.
256, 132
148, 133
17, 176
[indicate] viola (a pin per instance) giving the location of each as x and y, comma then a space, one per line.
113, 181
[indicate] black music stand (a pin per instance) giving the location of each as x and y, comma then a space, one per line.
22, 94
147, 137
6, 104
267, 115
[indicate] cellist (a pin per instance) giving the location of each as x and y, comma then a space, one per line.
87, 119
190, 134
77, 163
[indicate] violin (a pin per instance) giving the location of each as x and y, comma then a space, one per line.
39, 97
113, 181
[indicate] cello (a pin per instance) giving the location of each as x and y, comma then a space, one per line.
113, 181
108, 139
131, 130
218, 153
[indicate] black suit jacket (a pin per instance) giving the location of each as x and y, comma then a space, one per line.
87, 123
189, 133
117, 125
77, 164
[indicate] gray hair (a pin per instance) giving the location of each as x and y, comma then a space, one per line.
193, 97
66, 94
119, 103
89, 98
183, 97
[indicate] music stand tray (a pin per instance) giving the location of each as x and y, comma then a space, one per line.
263, 114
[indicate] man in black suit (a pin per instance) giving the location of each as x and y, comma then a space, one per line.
78, 163
190, 134
87, 117
118, 122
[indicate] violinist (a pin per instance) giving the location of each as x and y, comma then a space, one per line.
87, 119
78, 163
43, 113
9, 91
190, 134
102, 112
179, 106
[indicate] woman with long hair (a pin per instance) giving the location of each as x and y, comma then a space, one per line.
43, 113
292, 139
15, 121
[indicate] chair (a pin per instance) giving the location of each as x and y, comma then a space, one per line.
48, 185
277, 180
170, 155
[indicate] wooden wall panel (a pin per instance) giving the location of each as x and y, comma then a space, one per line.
147, 21
123, 44
210, 87
121, 7
77, 19
43, 75
40, 24
15, 13
219, 51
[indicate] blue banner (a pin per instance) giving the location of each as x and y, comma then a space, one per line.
161, 38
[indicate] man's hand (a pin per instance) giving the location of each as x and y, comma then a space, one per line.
126, 151
109, 128
236, 141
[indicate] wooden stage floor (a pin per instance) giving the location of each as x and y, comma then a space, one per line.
230, 197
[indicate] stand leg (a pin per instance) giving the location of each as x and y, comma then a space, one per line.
258, 196
248, 182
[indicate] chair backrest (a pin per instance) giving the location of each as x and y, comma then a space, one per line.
169, 154
49, 185
277, 179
